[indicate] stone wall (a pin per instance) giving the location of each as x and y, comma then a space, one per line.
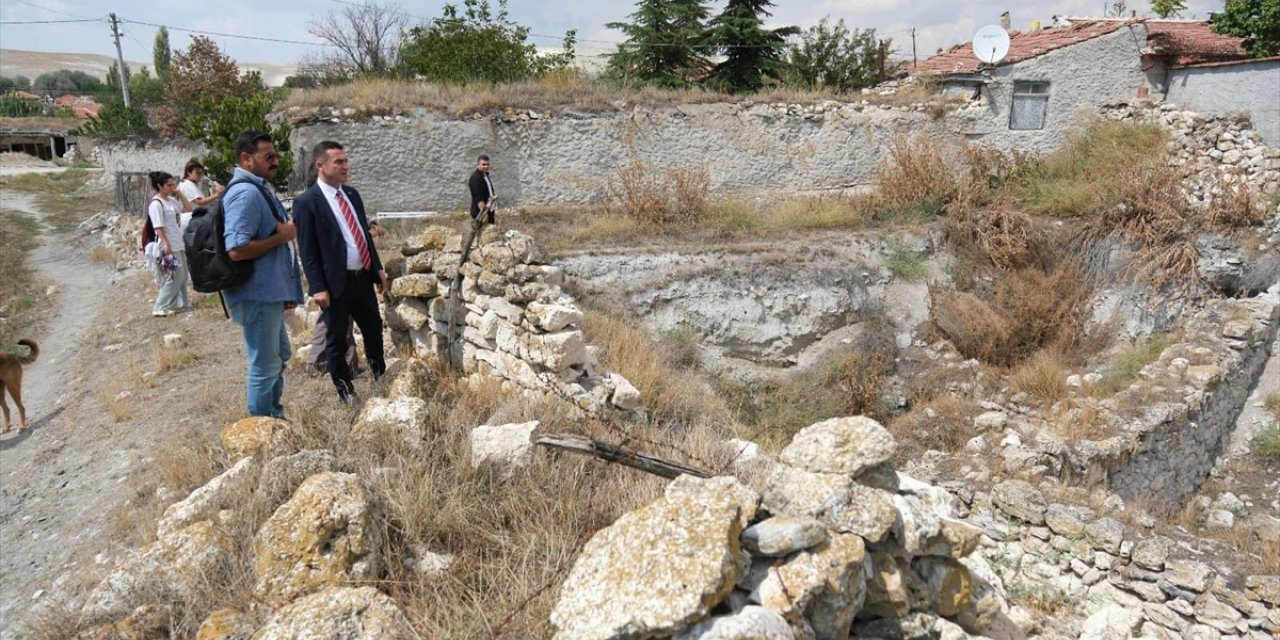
511, 320
1218, 90
153, 155
1112, 580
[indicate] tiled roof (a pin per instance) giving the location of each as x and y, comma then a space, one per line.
1191, 42
1022, 45
1182, 42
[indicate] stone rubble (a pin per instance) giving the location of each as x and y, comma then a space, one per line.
512, 321
715, 559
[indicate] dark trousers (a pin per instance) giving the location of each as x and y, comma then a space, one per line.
358, 302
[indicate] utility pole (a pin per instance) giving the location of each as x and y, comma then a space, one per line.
124, 78
913, 47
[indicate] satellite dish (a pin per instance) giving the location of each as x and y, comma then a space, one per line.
991, 44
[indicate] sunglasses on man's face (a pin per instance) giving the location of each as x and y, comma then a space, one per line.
270, 155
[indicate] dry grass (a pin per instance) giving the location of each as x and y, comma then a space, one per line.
168, 359
771, 410
20, 288
101, 253
514, 539
63, 198
942, 423
569, 91
673, 197
1272, 403
1028, 310
1043, 377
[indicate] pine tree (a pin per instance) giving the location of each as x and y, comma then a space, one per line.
753, 54
666, 43
161, 55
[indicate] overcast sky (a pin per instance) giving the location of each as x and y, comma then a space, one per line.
938, 23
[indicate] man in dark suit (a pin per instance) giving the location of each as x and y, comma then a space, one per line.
342, 265
481, 187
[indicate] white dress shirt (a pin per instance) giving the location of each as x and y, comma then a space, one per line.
353, 252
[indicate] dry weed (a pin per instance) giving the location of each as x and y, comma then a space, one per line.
943, 423
1043, 377
674, 197
1028, 310
169, 359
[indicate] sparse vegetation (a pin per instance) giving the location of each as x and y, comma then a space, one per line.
1266, 445
62, 197
1128, 364
674, 198
20, 289
907, 263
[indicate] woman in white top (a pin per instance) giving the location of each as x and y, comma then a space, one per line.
191, 190
163, 210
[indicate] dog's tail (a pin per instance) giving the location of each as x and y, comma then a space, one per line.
35, 350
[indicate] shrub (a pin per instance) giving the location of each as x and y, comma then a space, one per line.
1266, 444
1126, 367
477, 45
1028, 310
907, 263
1089, 173
1042, 377
676, 197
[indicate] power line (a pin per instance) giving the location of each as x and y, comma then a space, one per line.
49, 21
73, 15
227, 35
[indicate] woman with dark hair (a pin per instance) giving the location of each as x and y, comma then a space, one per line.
163, 211
194, 190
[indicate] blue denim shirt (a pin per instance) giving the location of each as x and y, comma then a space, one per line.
276, 275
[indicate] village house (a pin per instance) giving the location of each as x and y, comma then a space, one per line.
1054, 75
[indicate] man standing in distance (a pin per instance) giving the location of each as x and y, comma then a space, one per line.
257, 229
482, 193
342, 264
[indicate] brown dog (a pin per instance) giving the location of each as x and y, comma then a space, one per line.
11, 379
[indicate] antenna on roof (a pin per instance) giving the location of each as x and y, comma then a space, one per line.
991, 44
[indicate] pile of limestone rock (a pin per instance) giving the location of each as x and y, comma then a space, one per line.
510, 318
310, 560
1214, 151
827, 541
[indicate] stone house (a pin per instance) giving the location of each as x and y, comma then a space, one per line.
1053, 76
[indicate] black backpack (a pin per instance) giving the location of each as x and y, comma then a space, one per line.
210, 266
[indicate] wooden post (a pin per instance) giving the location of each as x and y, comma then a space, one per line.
617, 454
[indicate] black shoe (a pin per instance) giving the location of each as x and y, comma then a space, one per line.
346, 392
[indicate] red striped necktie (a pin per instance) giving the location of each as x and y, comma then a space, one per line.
356, 232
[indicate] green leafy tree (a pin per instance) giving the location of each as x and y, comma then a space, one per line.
478, 45
753, 54
115, 122
161, 54
1168, 8
667, 44
16, 83
218, 122
1257, 21
145, 89
200, 73
65, 81
835, 57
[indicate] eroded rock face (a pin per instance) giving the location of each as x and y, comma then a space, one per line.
327, 534
656, 569
338, 613
175, 567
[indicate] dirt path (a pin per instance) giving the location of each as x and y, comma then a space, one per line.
54, 482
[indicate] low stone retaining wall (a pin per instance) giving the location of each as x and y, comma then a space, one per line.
1122, 583
511, 320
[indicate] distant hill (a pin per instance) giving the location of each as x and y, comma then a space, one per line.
14, 62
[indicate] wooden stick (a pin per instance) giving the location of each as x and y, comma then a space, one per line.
617, 454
